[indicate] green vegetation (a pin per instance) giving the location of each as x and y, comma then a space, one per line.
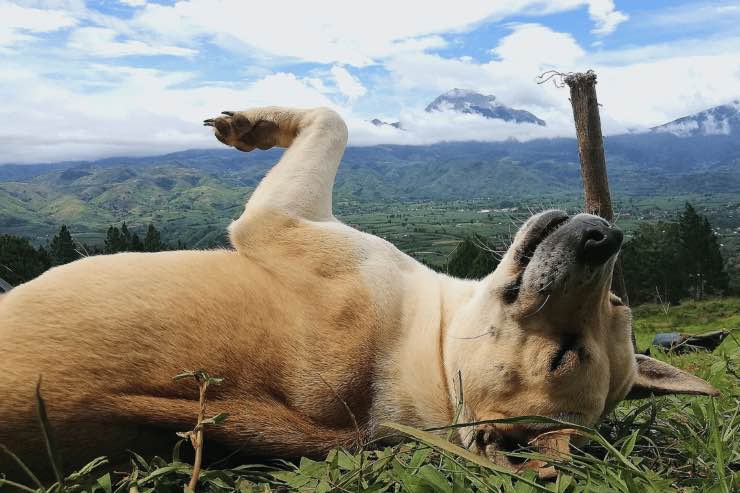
671, 260
62, 247
20, 261
186, 205
678, 255
686, 444
473, 258
193, 195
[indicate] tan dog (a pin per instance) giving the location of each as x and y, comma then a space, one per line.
306, 312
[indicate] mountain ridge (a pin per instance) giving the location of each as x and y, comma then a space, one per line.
199, 191
472, 102
717, 120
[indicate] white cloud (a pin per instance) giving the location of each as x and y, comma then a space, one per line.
350, 33
682, 129
101, 42
694, 14
348, 84
133, 111
605, 16
420, 127
167, 107
538, 46
638, 87
138, 111
652, 93
659, 51
528, 51
19, 23
134, 3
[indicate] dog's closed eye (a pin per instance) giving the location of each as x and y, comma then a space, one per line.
510, 292
568, 354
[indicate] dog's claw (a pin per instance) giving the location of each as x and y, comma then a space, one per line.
235, 129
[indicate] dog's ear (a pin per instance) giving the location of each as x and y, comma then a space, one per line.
658, 378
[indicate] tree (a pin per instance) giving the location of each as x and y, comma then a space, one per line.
113, 241
20, 261
472, 259
653, 264
126, 239
701, 254
152, 240
62, 248
666, 261
136, 244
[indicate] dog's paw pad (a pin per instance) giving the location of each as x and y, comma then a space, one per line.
237, 130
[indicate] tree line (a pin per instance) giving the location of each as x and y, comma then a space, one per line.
20, 261
663, 261
667, 261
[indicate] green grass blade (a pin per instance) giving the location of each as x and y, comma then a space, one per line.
18, 486
23, 466
716, 437
583, 430
52, 449
440, 443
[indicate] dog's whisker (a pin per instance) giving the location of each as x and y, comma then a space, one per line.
486, 333
547, 298
543, 288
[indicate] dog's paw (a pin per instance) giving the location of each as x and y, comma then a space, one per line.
238, 130
497, 447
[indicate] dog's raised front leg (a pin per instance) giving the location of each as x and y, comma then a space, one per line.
301, 183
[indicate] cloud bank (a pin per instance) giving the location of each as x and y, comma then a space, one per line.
80, 83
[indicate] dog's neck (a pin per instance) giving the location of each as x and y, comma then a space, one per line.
413, 378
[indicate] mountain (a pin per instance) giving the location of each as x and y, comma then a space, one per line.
380, 123
465, 101
193, 195
720, 120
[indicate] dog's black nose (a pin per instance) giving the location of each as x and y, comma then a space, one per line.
599, 242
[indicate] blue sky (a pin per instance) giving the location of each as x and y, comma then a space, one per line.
123, 77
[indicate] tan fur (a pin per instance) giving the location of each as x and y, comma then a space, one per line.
304, 316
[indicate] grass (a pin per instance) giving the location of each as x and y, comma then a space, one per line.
686, 444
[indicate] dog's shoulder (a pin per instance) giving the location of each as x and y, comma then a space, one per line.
328, 248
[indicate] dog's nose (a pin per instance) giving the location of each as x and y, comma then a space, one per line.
599, 241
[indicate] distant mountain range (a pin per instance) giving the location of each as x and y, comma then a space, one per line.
471, 102
194, 194
720, 120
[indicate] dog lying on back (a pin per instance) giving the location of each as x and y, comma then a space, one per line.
306, 316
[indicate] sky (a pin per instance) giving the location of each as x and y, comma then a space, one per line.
89, 79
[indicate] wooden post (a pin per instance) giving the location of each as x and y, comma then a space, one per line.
593, 160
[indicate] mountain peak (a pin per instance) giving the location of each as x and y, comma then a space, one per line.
718, 120
381, 123
466, 93
472, 102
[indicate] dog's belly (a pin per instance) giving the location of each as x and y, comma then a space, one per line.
126, 324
